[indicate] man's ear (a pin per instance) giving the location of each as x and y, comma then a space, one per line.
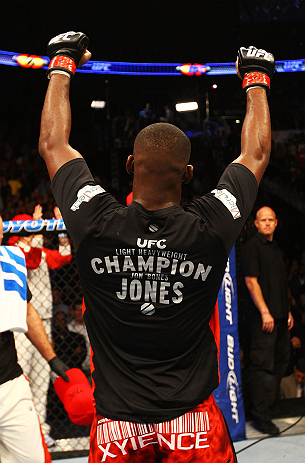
130, 164
188, 174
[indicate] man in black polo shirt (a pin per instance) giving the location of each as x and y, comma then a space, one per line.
270, 318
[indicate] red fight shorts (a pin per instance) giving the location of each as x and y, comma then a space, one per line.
200, 435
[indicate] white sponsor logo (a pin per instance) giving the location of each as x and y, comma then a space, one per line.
62, 37
228, 289
33, 225
187, 432
153, 228
259, 53
232, 383
151, 243
184, 441
147, 308
85, 194
228, 200
103, 420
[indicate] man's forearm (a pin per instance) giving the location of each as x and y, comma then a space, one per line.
37, 335
255, 67
258, 299
56, 125
56, 114
257, 295
256, 133
256, 130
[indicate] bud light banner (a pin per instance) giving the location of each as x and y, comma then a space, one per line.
229, 393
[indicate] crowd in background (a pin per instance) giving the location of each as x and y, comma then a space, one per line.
273, 10
24, 181
287, 165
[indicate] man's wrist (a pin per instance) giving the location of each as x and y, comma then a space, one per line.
63, 64
59, 71
265, 312
256, 79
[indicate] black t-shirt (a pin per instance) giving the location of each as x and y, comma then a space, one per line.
263, 259
9, 366
150, 283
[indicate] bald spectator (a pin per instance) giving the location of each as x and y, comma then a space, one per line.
269, 316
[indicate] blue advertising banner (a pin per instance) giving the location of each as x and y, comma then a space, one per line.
229, 394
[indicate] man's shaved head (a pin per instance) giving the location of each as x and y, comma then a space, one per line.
162, 146
266, 222
160, 165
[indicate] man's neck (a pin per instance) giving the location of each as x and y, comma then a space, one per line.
155, 205
268, 237
152, 195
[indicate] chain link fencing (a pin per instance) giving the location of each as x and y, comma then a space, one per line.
57, 297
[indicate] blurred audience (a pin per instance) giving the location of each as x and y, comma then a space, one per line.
168, 115
68, 345
293, 386
58, 305
77, 325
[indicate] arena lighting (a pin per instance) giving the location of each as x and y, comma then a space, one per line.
152, 69
190, 106
98, 104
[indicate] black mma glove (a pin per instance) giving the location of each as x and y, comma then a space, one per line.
256, 67
59, 368
65, 51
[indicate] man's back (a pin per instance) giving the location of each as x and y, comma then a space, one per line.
150, 281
